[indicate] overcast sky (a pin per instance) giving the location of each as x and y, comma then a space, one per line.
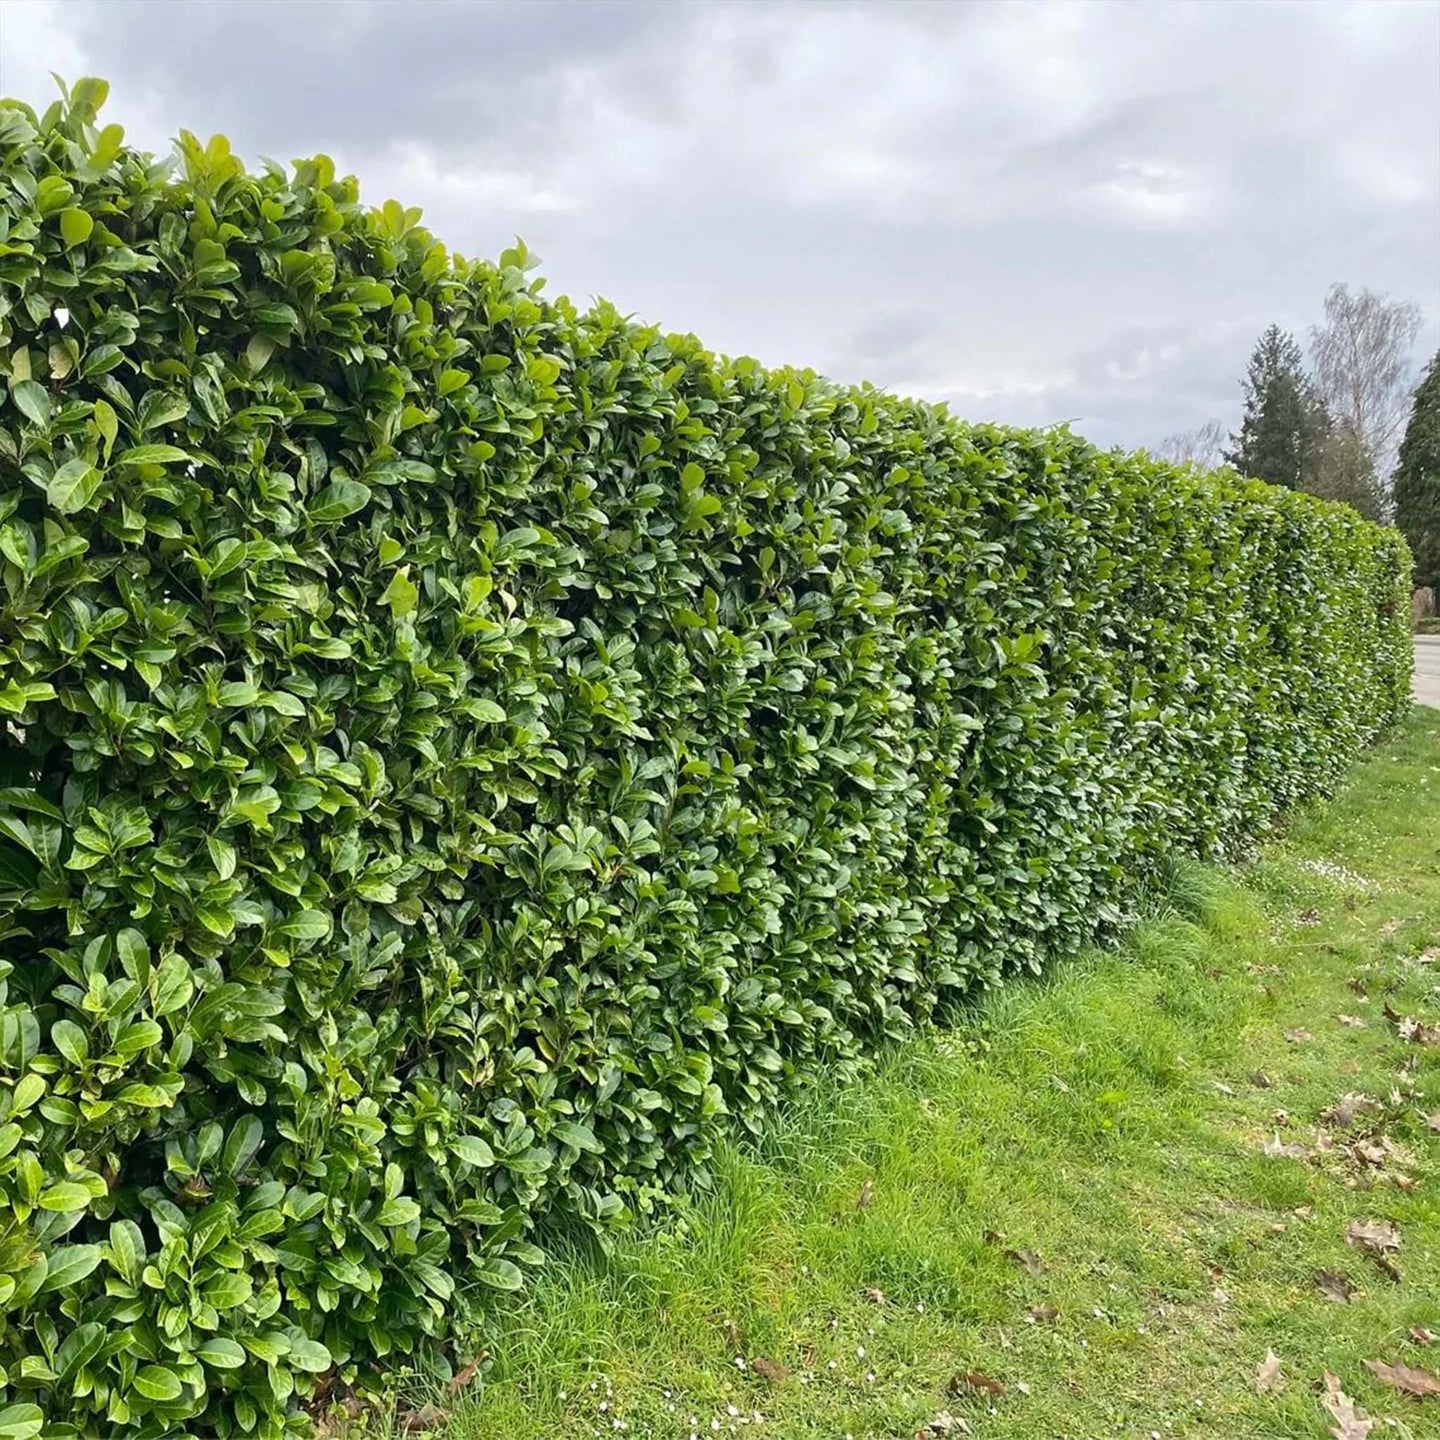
1037, 212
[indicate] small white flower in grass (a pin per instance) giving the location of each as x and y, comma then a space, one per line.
869, 1377
830, 1365
732, 1409
859, 1352
739, 1362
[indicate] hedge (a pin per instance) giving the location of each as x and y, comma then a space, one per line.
463, 754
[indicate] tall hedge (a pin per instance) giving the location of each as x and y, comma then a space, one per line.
461, 753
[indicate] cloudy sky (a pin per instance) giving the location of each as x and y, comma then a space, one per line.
1035, 211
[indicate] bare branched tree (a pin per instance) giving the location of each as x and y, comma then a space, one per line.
1202, 446
1361, 354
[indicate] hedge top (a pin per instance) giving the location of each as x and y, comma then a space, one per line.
461, 753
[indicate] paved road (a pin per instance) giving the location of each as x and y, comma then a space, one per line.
1427, 670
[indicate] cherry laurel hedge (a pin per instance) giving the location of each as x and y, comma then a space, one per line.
462, 754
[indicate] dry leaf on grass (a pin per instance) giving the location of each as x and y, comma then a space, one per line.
1298, 1036
1406, 1379
1276, 1149
466, 1374
1261, 1081
1334, 1286
1045, 1314
771, 1370
974, 1380
427, 1417
1267, 1374
1350, 1422
1421, 1335
874, 1294
1028, 1258
867, 1193
1433, 1121
1376, 1236
1345, 1110
1407, 1027
1366, 1152
1353, 1021
942, 1424
1389, 928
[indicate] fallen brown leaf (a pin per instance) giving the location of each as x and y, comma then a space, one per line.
427, 1417
1353, 1021
1345, 1110
1421, 1336
1389, 928
1433, 1121
1267, 1374
1376, 1236
942, 1424
994, 1237
1350, 1422
466, 1374
974, 1380
1045, 1314
1406, 1379
1334, 1286
1028, 1258
1261, 1081
1366, 1152
770, 1370
1276, 1149
1298, 1036
867, 1193
874, 1294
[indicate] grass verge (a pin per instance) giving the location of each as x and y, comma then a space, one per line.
1092, 1210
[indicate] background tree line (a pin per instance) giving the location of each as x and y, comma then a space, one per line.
1352, 425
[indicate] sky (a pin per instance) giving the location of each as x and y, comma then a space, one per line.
1038, 212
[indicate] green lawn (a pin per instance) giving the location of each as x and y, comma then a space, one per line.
1073, 1226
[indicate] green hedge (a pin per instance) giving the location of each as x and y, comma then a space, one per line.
462, 753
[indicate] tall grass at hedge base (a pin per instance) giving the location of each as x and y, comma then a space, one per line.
463, 754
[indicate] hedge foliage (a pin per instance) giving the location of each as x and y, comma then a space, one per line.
461, 752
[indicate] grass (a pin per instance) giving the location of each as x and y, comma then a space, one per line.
1068, 1195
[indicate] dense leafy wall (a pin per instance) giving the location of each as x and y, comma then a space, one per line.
461, 752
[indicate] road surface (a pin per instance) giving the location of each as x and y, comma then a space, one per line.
1427, 670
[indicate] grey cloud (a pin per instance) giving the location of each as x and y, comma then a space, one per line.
1038, 211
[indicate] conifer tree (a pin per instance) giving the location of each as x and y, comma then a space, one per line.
1417, 479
